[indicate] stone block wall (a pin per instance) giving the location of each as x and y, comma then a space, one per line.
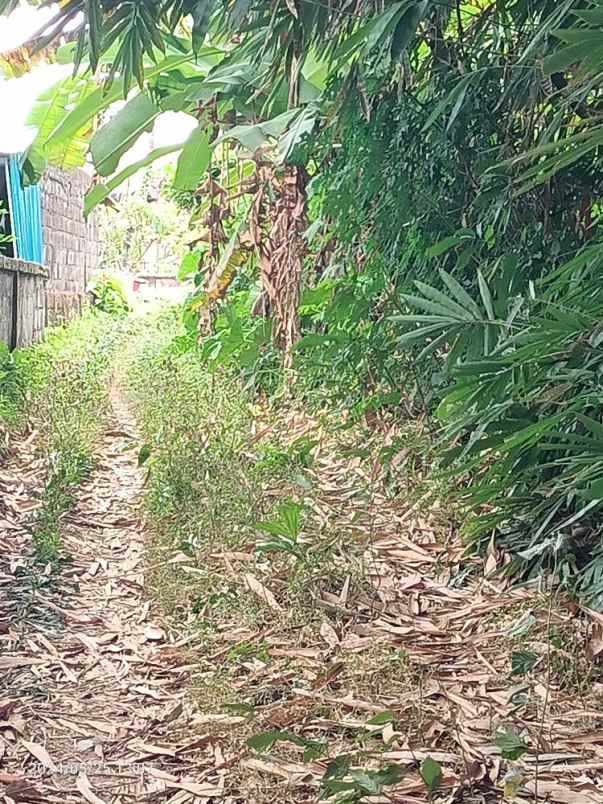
71, 245
22, 301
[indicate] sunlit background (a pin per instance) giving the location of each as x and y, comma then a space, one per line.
18, 95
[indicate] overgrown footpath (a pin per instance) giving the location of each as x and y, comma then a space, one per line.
91, 686
348, 648
298, 622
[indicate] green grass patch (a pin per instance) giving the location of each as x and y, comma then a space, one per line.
60, 387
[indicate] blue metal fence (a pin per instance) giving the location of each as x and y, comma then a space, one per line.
26, 215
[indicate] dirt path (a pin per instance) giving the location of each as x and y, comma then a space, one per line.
91, 686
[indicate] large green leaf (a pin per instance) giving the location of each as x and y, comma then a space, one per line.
406, 27
372, 33
118, 135
385, 24
200, 11
431, 773
49, 109
85, 111
253, 137
303, 124
563, 58
97, 194
193, 160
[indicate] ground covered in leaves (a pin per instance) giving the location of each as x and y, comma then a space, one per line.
92, 687
328, 641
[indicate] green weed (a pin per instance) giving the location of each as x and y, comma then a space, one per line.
283, 531
247, 650
197, 426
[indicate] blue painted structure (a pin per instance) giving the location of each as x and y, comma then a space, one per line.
26, 215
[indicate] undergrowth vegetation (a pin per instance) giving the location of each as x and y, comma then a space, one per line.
281, 542
209, 463
60, 387
396, 247
198, 481
245, 550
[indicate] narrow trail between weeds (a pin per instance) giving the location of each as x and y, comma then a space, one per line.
91, 686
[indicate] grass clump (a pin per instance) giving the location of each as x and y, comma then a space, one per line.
11, 389
67, 470
196, 426
201, 498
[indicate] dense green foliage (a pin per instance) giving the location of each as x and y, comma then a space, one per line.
448, 155
486, 298
61, 386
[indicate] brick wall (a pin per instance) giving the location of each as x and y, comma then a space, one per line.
70, 242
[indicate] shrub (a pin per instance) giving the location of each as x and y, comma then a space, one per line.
522, 416
108, 296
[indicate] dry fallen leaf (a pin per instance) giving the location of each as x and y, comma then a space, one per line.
154, 633
40, 753
595, 644
198, 789
154, 750
83, 785
7, 778
261, 591
329, 634
10, 662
